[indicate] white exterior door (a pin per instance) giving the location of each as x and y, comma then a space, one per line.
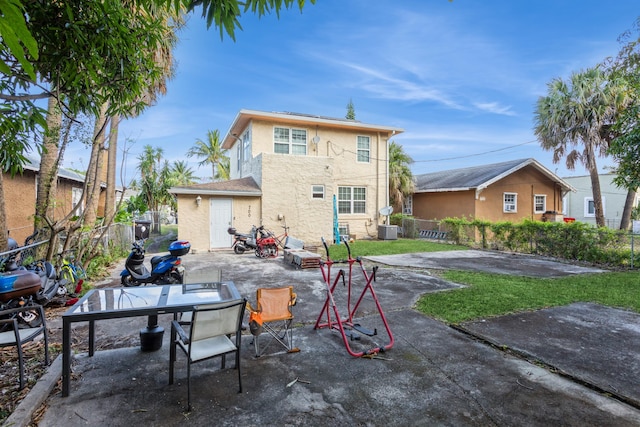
219, 221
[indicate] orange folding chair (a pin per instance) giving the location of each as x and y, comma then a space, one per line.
273, 315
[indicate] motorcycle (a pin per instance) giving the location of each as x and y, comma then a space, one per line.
266, 245
165, 269
20, 286
243, 242
259, 240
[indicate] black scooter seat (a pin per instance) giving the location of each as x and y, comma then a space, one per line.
159, 258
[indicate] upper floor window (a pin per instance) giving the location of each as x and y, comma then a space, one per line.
289, 141
246, 146
364, 149
540, 203
510, 204
352, 200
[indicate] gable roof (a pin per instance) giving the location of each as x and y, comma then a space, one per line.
480, 177
34, 165
233, 187
243, 118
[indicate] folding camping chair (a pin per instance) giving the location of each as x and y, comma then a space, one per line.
273, 315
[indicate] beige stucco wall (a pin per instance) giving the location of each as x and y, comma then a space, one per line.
286, 180
287, 196
247, 212
193, 221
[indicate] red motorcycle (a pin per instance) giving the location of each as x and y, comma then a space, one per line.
266, 245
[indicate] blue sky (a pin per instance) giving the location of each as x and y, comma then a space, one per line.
461, 78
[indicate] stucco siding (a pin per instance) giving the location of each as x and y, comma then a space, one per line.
20, 200
614, 199
193, 221
287, 196
488, 203
442, 205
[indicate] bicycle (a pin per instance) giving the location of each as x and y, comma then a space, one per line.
281, 240
72, 273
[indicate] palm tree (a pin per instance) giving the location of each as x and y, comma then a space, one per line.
574, 121
401, 182
181, 174
212, 153
154, 181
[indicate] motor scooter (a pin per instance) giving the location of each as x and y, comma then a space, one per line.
165, 269
20, 286
243, 242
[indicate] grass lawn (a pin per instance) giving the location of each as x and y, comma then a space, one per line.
495, 294
488, 295
389, 247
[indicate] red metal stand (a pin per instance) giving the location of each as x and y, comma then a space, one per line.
346, 326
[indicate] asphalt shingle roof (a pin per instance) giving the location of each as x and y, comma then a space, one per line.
466, 178
236, 186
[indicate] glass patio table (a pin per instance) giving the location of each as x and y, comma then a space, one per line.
112, 303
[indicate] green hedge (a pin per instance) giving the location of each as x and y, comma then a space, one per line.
572, 241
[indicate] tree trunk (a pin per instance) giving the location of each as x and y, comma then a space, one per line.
625, 222
3, 216
95, 169
597, 196
47, 181
112, 153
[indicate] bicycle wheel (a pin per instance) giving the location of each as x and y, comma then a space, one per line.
79, 271
66, 274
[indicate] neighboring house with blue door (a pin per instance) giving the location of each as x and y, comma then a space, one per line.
579, 205
285, 169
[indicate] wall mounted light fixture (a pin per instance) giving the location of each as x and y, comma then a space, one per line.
198, 201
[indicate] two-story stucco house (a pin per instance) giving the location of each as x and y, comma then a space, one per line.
579, 205
286, 168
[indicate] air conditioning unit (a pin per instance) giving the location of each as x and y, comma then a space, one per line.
388, 232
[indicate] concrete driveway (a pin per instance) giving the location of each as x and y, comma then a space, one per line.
550, 367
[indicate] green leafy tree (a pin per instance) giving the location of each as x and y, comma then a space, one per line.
401, 183
212, 153
574, 121
625, 147
154, 182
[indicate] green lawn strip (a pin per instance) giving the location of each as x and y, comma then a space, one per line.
389, 247
489, 295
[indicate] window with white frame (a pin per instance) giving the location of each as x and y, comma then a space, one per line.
317, 192
239, 155
590, 207
407, 205
246, 146
76, 197
510, 202
289, 141
364, 149
540, 203
352, 200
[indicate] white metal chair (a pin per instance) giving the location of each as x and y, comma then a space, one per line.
14, 336
215, 330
